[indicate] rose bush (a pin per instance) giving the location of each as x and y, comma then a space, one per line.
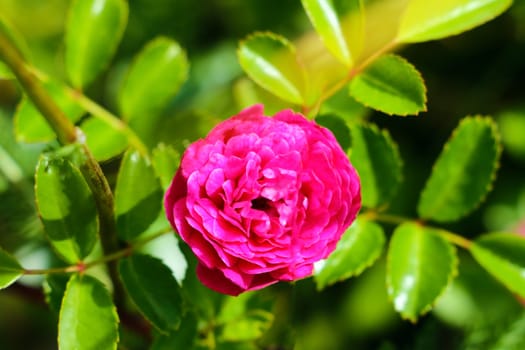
261, 199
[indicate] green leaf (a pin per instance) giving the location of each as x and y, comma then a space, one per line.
513, 337
138, 196
390, 85
155, 76
420, 266
429, 20
463, 173
511, 124
88, 320
31, 126
270, 60
338, 127
378, 163
248, 327
93, 32
66, 206
359, 248
183, 338
102, 139
503, 256
339, 23
345, 106
165, 162
10, 269
5, 72
54, 288
153, 289
243, 319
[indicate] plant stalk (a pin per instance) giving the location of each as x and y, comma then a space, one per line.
67, 133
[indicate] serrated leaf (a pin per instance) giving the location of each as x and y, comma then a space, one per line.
378, 163
31, 126
270, 60
93, 32
430, 20
102, 139
359, 247
340, 23
155, 76
503, 256
10, 269
338, 127
88, 320
165, 162
390, 85
153, 289
138, 195
420, 266
66, 207
463, 173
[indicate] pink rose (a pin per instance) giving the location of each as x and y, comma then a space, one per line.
261, 199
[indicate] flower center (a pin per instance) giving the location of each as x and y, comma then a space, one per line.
260, 203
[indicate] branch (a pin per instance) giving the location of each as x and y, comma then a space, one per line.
67, 133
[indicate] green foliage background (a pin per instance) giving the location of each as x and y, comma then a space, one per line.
477, 72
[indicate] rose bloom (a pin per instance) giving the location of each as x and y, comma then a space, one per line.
261, 199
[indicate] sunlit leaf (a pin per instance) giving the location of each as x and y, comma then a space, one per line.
429, 20
102, 139
270, 60
390, 85
88, 319
165, 162
153, 289
31, 126
359, 247
420, 266
93, 32
378, 163
340, 24
66, 206
10, 269
138, 195
463, 173
155, 76
503, 256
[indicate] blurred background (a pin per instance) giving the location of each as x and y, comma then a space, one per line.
479, 72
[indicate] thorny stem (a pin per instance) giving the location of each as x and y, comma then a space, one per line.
81, 266
67, 133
